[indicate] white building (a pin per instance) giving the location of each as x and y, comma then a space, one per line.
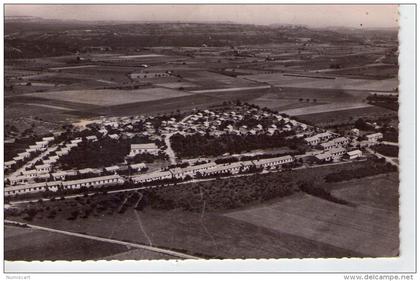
144, 148
9, 164
271, 162
354, 154
138, 166
94, 182
43, 168
160, 175
337, 152
374, 137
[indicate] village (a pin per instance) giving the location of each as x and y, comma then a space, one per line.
148, 156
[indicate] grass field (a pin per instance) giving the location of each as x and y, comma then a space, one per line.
208, 234
365, 228
111, 97
323, 108
347, 116
381, 193
339, 83
26, 244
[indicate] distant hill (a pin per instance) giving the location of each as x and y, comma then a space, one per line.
27, 37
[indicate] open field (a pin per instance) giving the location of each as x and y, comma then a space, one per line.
313, 109
207, 235
111, 97
364, 228
212, 234
29, 244
340, 83
381, 192
347, 116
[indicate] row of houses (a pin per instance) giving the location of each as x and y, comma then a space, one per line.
44, 172
212, 169
337, 153
55, 185
336, 142
143, 148
318, 138
39, 146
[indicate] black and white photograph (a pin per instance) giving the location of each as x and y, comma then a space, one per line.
177, 132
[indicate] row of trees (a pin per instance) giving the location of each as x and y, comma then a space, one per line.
197, 145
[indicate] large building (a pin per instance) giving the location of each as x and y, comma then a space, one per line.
144, 148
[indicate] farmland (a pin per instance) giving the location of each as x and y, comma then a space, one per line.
348, 116
111, 97
365, 228
209, 223
191, 94
29, 244
326, 82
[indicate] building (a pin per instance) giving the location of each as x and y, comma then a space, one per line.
91, 138
374, 137
337, 152
355, 132
9, 164
191, 170
137, 167
31, 188
354, 154
94, 182
33, 173
312, 140
324, 136
85, 171
24, 154
323, 157
271, 162
144, 148
114, 136
61, 175
112, 169
340, 141
43, 168
150, 177
223, 169
48, 139
328, 145
42, 143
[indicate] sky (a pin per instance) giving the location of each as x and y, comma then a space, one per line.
311, 15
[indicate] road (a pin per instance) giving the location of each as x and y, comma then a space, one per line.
387, 158
169, 151
114, 241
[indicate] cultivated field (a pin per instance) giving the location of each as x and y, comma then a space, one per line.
201, 234
363, 228
339, 83
347, 116
312, 109
111, 97
24, 244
